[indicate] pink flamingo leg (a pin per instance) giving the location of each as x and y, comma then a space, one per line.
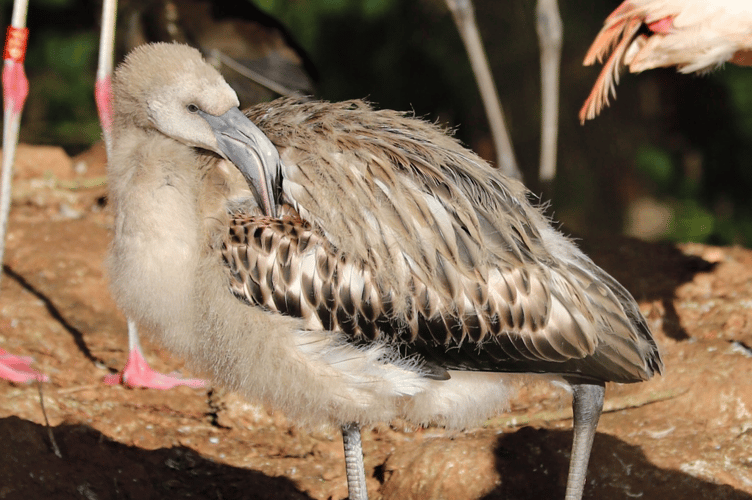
103, 96
15, 89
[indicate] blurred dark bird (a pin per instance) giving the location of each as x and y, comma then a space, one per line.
693, 35
364, 267
251, 49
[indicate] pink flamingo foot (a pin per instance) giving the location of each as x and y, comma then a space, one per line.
17, 368
138, 373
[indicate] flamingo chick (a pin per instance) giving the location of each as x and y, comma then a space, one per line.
364, 267
694, 35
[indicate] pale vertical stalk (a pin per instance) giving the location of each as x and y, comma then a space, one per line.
550, 35
103, 89
15, 89
18, 19
464, 17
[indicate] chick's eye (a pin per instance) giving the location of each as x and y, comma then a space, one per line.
192, 108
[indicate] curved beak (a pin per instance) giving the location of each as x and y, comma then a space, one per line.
250, 150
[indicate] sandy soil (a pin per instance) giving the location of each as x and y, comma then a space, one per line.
685, 435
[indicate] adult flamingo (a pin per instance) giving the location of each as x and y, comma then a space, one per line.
693, 35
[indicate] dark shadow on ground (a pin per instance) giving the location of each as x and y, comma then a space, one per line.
533, 464
94, 467
54, 311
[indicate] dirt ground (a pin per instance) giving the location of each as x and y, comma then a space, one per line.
685, 435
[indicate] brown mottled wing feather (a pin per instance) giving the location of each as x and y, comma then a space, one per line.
405, 236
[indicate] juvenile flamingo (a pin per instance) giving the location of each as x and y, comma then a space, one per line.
369, 267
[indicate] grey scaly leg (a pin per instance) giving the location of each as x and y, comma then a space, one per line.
356, 473
587, 404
